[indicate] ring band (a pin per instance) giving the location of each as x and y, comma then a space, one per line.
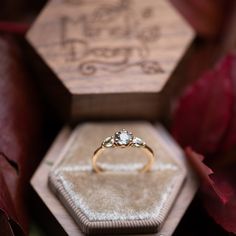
123, 139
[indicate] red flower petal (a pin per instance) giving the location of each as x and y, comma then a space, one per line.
204, 112
218, 192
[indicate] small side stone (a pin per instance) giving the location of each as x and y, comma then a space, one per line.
108, 142
138, 142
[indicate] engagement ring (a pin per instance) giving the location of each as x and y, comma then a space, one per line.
122, 139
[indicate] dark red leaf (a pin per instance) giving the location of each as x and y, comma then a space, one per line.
20, 125
207, 17
223, 214
205, 119
217, 190
203, 113
230, 136
6, 229
15, 28
204, 173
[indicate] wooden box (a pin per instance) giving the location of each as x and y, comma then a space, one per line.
64, 223
109, 58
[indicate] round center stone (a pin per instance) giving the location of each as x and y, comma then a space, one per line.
123, 137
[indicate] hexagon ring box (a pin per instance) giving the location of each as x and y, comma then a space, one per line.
94, 56
117, 178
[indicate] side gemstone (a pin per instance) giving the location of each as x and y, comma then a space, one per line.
108, 142
138, 142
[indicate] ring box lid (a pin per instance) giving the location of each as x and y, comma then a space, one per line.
110, 47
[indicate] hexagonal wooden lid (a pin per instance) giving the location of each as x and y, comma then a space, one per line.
110, 46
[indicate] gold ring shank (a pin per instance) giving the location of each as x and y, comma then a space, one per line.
145, 168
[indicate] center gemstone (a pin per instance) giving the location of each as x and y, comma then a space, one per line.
123, 137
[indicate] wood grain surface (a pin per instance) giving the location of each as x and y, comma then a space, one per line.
111, 46
115, 53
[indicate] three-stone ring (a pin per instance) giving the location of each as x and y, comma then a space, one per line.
123, 139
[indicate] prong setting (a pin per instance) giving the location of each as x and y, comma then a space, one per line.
123, 138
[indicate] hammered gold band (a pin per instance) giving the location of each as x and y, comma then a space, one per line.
123, 139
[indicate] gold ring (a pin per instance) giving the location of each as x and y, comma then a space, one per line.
123, 139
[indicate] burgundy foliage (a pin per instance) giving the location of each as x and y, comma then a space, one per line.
20, 125
205, 120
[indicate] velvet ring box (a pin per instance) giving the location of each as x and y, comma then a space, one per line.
120, 200
109, 59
